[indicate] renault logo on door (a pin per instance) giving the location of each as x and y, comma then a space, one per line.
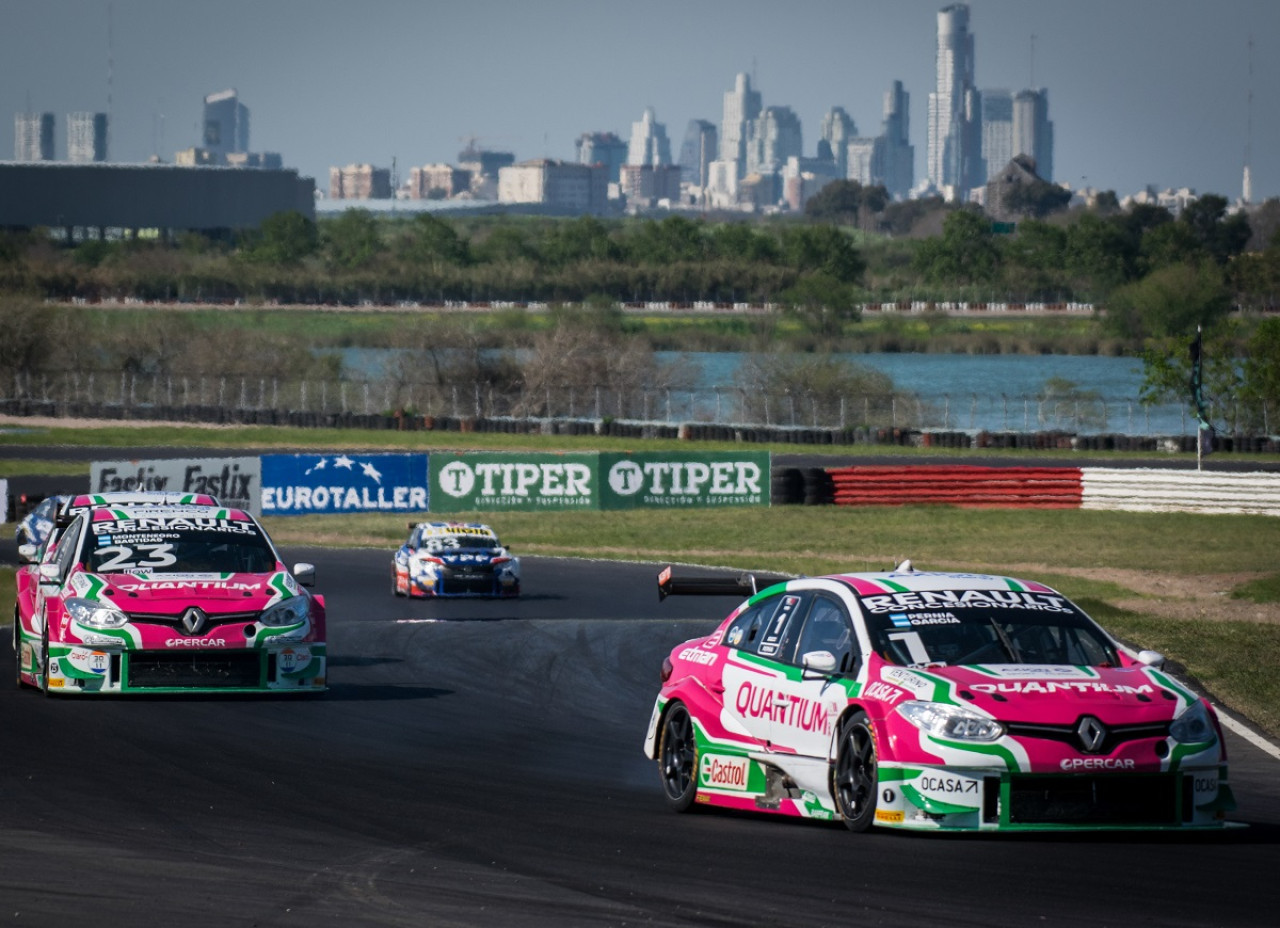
193, 620
1092, 734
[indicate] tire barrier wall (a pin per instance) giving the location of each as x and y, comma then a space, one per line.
1152, 490
1012, 487
1134, 490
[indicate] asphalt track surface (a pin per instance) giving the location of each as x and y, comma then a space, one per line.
479, 763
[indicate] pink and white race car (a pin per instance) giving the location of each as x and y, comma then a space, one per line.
931, 701
164, 599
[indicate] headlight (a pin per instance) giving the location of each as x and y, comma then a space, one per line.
292, 611
96, 615
944, 721
1194, 726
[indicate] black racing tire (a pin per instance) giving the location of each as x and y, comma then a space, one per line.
395, 587
44, 660
17, 650
678, 759
855, 777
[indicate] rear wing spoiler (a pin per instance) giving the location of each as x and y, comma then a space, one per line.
742, 585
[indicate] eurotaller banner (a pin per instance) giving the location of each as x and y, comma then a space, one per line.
493, 482
348, 482
684, 479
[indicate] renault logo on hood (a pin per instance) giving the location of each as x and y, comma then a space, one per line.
193, 620
1092, 734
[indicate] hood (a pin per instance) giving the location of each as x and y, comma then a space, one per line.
1050, 694
164, 593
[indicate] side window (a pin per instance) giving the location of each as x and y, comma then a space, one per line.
68, 546
763, 628
744, 631
827, 628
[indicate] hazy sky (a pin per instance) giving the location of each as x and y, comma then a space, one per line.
1140, 91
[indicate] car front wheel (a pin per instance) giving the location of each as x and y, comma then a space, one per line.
678, 759
855, 777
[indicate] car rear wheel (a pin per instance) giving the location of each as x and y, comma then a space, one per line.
395, 584
855, 778
44, 660
678, 759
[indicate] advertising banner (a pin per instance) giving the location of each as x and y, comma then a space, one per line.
680, 479
467, 482
307, 484
236, 482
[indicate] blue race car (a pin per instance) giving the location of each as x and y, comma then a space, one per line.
454, 559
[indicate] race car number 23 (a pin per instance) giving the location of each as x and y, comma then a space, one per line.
133, 557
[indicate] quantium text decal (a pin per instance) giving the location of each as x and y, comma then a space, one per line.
792, 711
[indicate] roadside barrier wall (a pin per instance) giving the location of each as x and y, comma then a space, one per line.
1136, 490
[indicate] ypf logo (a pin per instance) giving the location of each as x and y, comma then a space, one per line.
626, 478
457, 478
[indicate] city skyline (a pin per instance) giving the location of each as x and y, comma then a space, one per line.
1138, 97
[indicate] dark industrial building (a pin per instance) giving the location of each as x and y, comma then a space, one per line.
100, 200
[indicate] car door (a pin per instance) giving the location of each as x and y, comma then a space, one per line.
813, 697
753, 672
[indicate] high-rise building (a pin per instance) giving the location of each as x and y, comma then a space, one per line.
697, 151
955, 109
604, 148
997, 131
773, 138
742, 107
359, 182
838, 128
33, 137
1033, 131
899, 168
226, 124
649, 143
562, 185
86, 137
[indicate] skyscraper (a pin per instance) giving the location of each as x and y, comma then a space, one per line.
603, 148
955, 109
649, 143
997, 131
33, 137
741, 108
86, 137
226, 124
772, 139
838, 128
899, 171
697, 151
1033, 131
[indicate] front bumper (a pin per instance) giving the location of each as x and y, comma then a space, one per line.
942, 799
295, 667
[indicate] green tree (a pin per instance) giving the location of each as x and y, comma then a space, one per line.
1036, 199
673, 239
1169, 302
965, 253
822, 248
823, 302
434, 243
1261, 388
352, 240
740, 241
585, 238
1099, 253
282, 238
1219, 236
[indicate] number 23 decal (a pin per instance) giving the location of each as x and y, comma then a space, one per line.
126, 557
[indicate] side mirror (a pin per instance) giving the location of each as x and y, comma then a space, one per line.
1151, 659
820, 662
305, 574
27, 553
49, 575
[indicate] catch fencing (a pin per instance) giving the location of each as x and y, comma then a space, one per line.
275, 400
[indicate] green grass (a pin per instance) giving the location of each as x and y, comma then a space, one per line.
1262, 590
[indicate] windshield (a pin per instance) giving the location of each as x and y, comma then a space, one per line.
178, 546
452, 541
984, 627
